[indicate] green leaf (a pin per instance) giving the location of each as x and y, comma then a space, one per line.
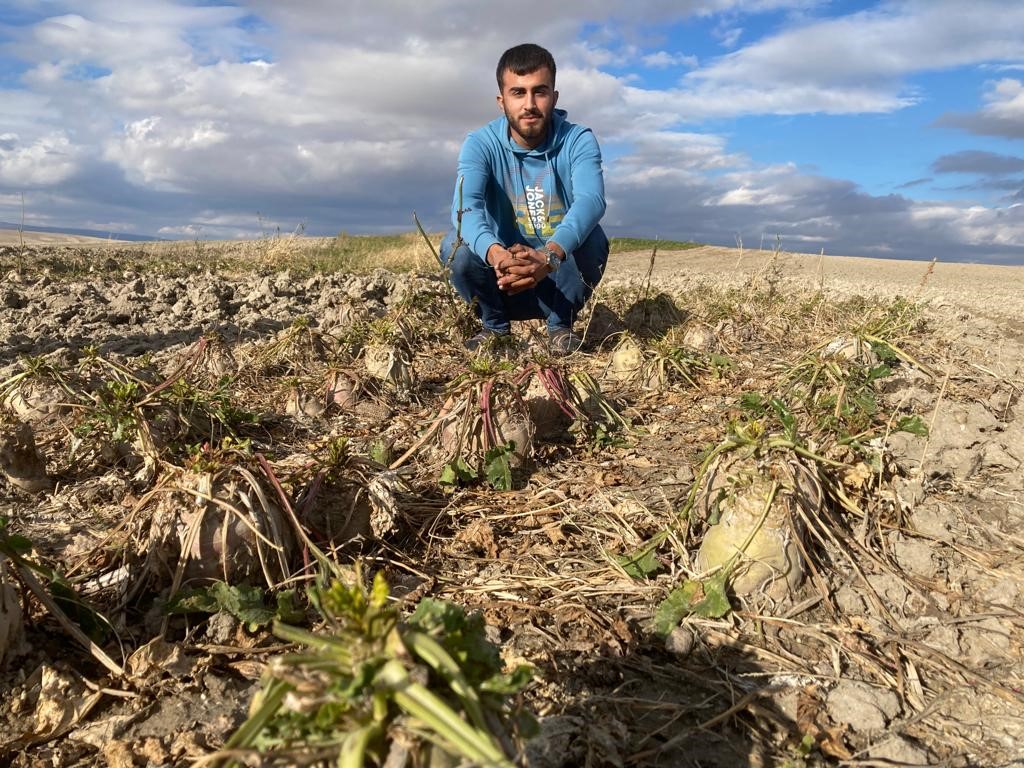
912, 424
18, 544
879, 372
721, 362
498, 467
380, 452
707, 599
511, 683
287, 611
84, 615
884, 352
785, 416
193, 601
457, 472
753, 402
243, 602
641, 563
677, 605
715, 603
462, 636
380, 591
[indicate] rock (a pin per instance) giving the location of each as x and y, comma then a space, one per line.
863, 707
935, 520
915, 556
12, 299
850, 601
905, 449
985, 642
890, 589
909, 492
558, 744
899, 751
945, 639
1003, 593
679, 642
221, 628
602, 324
20, 460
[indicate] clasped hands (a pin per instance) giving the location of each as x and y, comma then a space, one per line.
518, 267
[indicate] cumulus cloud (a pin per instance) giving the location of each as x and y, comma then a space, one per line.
46, 161
1002, 115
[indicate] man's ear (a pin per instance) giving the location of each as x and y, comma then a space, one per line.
501, 103
554, 102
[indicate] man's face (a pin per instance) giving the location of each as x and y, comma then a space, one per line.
528, 101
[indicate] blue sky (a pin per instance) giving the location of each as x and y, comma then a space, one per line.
862, 128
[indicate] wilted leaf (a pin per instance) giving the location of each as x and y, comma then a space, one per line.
857, 476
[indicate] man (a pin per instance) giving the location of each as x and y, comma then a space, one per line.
532, 194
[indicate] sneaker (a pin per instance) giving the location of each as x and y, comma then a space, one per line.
484, 337
562, 341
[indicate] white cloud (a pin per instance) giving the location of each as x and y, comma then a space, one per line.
48, 160
665, 59
857, 63
1002, 115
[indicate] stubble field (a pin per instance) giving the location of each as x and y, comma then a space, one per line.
194, 435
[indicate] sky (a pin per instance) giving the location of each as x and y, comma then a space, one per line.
892, 129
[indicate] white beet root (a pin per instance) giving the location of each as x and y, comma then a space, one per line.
627, 360
763, 537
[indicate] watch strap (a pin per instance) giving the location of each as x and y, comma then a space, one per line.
554, 260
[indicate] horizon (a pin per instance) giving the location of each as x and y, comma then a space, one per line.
888, 129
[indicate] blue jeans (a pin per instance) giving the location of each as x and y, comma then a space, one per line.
557, 298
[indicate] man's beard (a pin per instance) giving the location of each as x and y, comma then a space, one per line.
529, 130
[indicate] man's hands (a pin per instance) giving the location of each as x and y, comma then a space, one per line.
519, 267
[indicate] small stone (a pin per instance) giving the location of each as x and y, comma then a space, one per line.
863, 707
679, 641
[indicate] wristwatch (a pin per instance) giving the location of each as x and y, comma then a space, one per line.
554, 260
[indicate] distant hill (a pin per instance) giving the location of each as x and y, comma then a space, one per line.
81, 232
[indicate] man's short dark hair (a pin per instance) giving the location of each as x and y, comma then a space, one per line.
525, 59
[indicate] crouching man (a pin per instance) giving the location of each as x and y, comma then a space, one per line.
532, 194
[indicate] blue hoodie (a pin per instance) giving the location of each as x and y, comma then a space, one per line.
513, 194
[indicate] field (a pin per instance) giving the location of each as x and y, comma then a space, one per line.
248, 488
